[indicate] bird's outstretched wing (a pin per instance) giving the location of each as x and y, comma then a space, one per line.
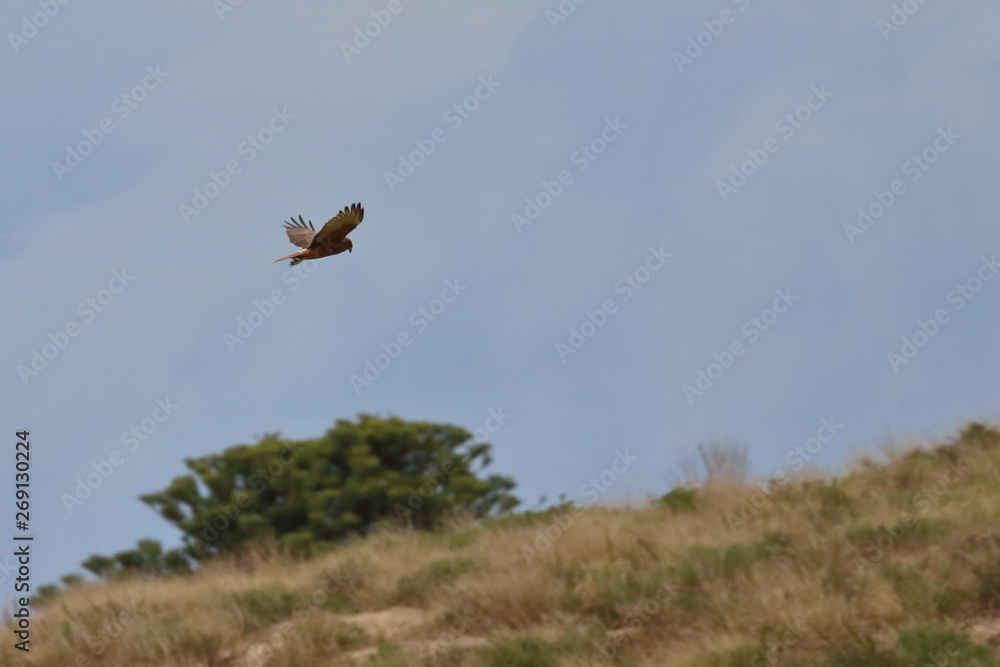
340, 225
300, 232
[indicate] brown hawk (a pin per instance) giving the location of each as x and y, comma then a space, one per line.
330, 240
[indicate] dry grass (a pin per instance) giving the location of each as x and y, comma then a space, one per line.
894, 564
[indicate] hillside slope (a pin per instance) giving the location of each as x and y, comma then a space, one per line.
891, 565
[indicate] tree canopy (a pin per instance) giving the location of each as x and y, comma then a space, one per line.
356, 475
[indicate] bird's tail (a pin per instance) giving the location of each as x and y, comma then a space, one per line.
295, 257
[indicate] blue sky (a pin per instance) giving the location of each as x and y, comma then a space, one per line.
671, 193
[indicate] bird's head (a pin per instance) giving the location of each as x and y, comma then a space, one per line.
350, 245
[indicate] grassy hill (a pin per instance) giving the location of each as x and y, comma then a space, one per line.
893, 564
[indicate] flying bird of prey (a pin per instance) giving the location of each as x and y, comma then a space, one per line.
330, 240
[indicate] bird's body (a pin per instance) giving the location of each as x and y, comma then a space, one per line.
331, 239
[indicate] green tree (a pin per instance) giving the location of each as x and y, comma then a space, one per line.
148, 558
357, 474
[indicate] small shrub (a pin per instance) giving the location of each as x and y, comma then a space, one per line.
914, 591
951, 601
741, 656
776, 541
389, 655
167, 637
907, 530
921, 645
834, 504
520, 651
862, 650
725, 461
438, 573
341, 584
44, 593
980, 435
205, 646
736, 557
989, 584
686, 592
619, 590
349, 636
262, 607
679, 500
930, 646
461, 538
